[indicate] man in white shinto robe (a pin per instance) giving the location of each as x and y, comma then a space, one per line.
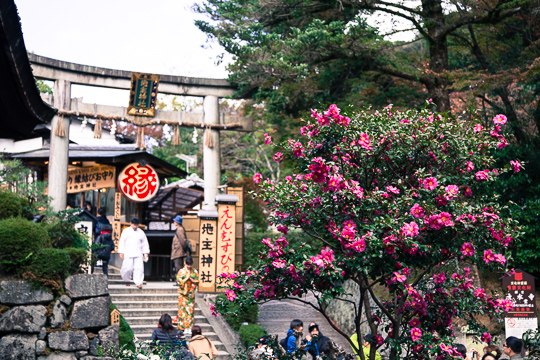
133, 248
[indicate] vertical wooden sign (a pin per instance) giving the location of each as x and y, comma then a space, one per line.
117, 206
226, 233
207, 250
117, 231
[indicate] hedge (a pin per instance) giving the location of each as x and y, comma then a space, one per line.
20, 240
249, 315
250, 334
126, 334
10, 205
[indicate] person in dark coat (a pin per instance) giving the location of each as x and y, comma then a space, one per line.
319, 344
179, 249
101, 220
166, 335
104, 245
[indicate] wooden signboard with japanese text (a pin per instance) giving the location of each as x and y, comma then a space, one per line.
191, 225
143, 94
117, 231
91, 178
117, 206
207, 254
86, 228
226, 239
520, 290
239, 251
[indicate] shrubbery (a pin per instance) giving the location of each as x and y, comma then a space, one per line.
50, 263
19, 239
250, 334
237, 315
125, 334
10, 205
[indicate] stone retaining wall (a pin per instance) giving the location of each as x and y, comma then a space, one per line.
38, 326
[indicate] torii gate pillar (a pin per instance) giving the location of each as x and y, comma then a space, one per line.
211, 155
59, 153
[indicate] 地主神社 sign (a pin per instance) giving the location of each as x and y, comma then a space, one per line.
90, 178
207, 250
520, 290
138, 183
143, 94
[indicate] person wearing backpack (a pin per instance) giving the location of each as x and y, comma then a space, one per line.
104, 245
289, 343
180, 246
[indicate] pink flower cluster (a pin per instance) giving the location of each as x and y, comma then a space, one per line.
319, 171
489, 257
329, 116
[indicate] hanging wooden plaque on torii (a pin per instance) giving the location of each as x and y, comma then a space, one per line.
143, 94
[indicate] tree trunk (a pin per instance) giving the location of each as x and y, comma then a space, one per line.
438, 53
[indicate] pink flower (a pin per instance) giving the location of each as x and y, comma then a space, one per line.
447, 348
486, 337
359, 245
280, 264
445, 219
230, 295
506, 305
416, 334
414, 323
500, 258
430, 183
364, 141
452, 190
379, 339
322, 120
499, 119
267, 139
298, 150
478, 128
333, 111
392, 189
516, 165
282, 242
410, 229
417, 211
488, 256
470, 166
283, 229
467, 249
257, 178
480, 293
399, 277
278, 157
439, 278
467, 191
481, 175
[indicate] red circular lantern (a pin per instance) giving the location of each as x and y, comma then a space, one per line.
138, 183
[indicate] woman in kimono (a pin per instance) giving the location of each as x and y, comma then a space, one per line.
188, 280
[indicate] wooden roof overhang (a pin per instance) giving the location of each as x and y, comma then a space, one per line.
21, 106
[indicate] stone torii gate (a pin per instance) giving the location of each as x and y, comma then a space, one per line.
64, 74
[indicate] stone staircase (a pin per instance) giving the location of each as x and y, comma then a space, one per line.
142, 308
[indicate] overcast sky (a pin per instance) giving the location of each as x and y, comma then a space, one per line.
153, 36
157, 36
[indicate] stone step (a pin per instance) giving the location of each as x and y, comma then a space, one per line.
154, 312
144, 296
145, 290
123, 303
143, 320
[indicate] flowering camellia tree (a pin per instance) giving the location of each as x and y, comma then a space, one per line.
400, 204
